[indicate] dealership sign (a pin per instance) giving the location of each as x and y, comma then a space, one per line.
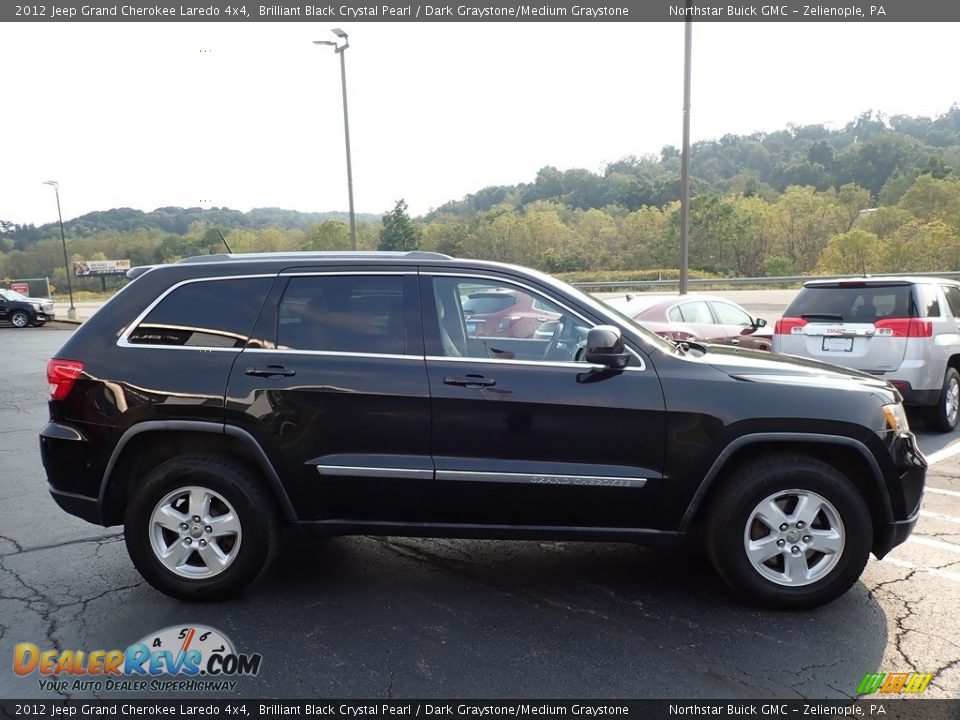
83, 268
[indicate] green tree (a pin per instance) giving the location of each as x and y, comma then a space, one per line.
853, 252
398, 231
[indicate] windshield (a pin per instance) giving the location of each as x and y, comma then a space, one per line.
12, 295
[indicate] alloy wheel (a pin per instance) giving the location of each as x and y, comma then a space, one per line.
794, 537
195, 533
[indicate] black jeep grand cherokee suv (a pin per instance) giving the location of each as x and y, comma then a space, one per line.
216, 398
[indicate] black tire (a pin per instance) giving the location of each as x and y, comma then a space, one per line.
19, 318
788, 477
233, 488
943, 416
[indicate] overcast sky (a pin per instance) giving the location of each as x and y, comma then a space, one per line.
147, 115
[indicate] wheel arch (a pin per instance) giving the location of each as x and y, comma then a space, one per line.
137, 452
847, 455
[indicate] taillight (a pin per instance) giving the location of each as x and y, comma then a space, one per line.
61, 374
905, 327
787, 325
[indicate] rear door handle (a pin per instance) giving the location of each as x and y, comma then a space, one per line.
270, 371
470, 381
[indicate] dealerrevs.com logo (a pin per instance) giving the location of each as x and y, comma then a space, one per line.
189, 658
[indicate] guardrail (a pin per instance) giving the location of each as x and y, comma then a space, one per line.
758, 281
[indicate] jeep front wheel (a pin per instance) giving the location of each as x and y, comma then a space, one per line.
200, 527
789, 532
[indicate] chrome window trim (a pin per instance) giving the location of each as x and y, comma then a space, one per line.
538, 292
124, 341
335, 353
542, 478
539, 363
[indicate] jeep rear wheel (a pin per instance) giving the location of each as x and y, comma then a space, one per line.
19, 319
789, 532
200, 527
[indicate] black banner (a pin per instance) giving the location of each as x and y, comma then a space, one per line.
478, 11
898, 709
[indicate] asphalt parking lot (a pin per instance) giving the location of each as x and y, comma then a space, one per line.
394, 618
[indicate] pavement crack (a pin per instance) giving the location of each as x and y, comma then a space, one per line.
101, 540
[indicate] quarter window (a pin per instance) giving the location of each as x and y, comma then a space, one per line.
952, 292
341, 313
205, 314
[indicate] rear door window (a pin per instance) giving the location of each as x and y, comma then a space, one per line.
696, 312
343, 313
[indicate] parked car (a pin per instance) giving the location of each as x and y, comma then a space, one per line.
217, 398
706, 318
503, 313
21, 311
905, 330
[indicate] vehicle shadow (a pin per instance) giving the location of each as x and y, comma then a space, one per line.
405, 617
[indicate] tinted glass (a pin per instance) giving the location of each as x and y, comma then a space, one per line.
852, 304
953, 299
354, 314
209, 313
730, 315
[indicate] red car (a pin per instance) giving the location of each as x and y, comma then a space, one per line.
706, 318
503, 313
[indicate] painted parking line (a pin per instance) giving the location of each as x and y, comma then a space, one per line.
945, 574
939, 516
944, 453
941, 491
932, 542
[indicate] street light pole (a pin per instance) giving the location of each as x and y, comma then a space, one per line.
346, 123
685, 157
72, 312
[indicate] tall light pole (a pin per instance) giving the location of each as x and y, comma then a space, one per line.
685, 156
72, 312
346, 123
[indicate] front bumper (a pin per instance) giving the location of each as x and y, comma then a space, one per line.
906, 493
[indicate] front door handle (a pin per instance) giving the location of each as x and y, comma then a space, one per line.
470, 381
270, 371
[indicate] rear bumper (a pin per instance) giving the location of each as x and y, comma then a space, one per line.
918, 397
86, 508
72, 472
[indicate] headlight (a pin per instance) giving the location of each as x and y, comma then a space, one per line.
896, 417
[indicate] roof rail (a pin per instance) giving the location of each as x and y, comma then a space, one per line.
318, 255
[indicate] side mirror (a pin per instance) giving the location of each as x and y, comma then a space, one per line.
605, 347
759, 323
